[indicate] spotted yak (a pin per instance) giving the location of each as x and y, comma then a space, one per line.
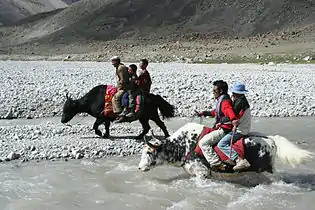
260, 151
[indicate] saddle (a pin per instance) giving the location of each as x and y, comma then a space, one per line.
108, 106
238, 146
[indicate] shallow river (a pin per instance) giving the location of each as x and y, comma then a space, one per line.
116, 183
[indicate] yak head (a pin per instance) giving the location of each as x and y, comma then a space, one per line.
69, 109
152, 154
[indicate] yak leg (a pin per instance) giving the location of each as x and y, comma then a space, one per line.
107, 124
160, 123
97, 122
145, 126
196, 169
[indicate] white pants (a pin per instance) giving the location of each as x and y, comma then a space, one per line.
207, 142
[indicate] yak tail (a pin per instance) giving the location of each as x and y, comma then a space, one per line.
289, 153
167, 110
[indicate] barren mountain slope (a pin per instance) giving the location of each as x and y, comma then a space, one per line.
14, 10
167, 20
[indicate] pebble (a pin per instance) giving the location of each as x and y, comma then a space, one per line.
275, 90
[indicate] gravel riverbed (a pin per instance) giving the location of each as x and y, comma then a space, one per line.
36, 89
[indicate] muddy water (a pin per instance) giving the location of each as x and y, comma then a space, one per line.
116, 183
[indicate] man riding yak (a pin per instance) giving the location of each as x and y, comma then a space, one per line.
129, 86
123, 83
104, 102
253, 152
128, 100
228, 115
242, 111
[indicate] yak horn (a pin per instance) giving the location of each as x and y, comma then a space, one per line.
152, 145
68, 97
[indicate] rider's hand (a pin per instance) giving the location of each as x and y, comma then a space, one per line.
235, 123
199, 114
218, 125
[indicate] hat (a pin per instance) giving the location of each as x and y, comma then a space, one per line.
114, 58
239, 88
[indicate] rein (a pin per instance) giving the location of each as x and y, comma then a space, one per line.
193, 117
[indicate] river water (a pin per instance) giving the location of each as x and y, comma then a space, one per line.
116, 183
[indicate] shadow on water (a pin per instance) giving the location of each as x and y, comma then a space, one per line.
121, 137
244, 179
172, 179
110, 138
302, 180
91, 137
252, 179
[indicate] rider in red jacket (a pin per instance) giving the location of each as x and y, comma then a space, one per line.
144, 80
225, 118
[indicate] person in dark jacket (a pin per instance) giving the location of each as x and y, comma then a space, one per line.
242, 111
143, 83
144, 80
131, 94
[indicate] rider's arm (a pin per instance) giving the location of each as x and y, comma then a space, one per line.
227, 110
145, 79
121, 76
240, 115
207, 113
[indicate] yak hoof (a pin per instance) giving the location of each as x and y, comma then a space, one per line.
106, 135
98, 132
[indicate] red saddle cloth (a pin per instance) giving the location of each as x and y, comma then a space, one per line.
238, 146
109, 94
108, 106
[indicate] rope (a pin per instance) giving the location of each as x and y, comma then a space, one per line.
193, 117
232, 138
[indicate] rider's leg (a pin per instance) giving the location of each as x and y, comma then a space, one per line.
241, 164
116, 101
224, 145
125, 103
206, 145
132, 104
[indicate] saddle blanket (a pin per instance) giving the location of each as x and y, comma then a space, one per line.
238, 146
108, 106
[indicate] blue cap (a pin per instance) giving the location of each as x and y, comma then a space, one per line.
239, 88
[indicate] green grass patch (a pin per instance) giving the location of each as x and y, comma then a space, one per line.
262, 59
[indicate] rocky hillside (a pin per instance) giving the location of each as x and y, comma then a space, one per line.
100, 19
12, 11
170, 21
